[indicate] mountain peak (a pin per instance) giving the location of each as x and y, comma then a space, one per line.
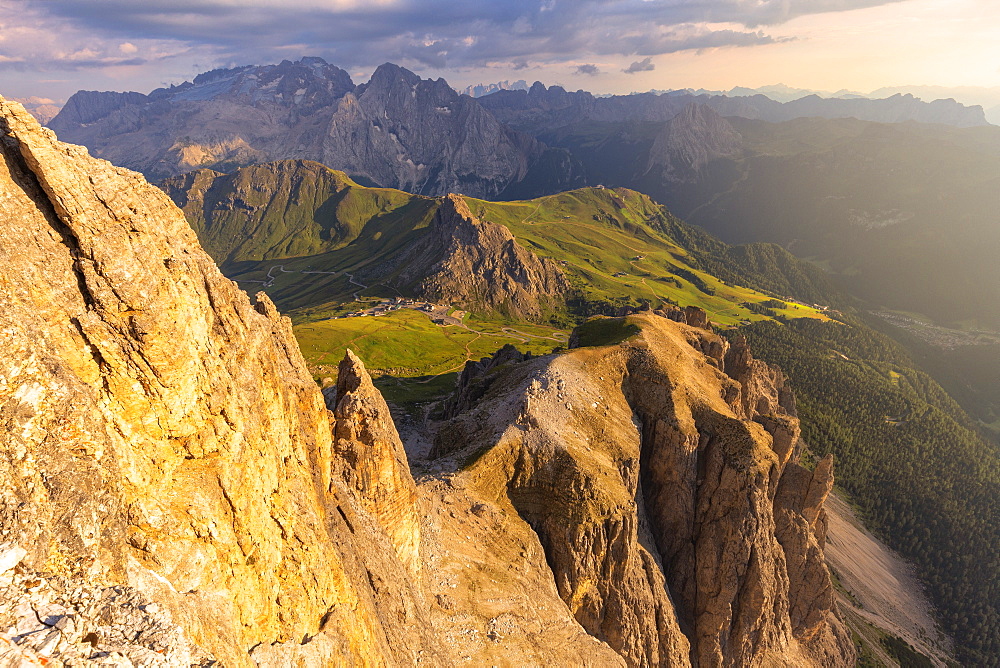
690, 140
388, 73
455, 205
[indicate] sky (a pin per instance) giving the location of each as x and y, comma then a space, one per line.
51, 48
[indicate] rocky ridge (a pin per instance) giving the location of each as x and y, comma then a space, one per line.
166, 451
680, 540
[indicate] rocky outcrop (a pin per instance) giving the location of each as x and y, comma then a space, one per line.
371, 459
162, 433
479, 265
654, 490
801, 524
764, 389
476, 379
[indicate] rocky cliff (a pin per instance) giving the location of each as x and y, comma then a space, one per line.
163, 435
405, 132
175, 491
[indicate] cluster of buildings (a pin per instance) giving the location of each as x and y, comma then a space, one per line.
394, 304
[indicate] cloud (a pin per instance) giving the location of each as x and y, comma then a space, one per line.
435, 33
35, 41
591, 70
124, 43
644, 65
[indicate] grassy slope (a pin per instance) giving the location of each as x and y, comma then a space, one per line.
282, 210
415, 358
601, 232
301, 231
904, 213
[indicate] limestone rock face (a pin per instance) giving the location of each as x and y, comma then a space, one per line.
479, 264
371, 459
163, 433
652, 490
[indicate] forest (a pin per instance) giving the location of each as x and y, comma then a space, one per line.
924, 477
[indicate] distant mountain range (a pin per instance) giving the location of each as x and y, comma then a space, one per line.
540, 108
479, 90
987, 98
397, 130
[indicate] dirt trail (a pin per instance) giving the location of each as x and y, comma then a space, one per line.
350, 279
889, 594
468, 356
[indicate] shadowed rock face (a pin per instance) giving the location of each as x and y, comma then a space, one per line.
690, 140
167, 458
